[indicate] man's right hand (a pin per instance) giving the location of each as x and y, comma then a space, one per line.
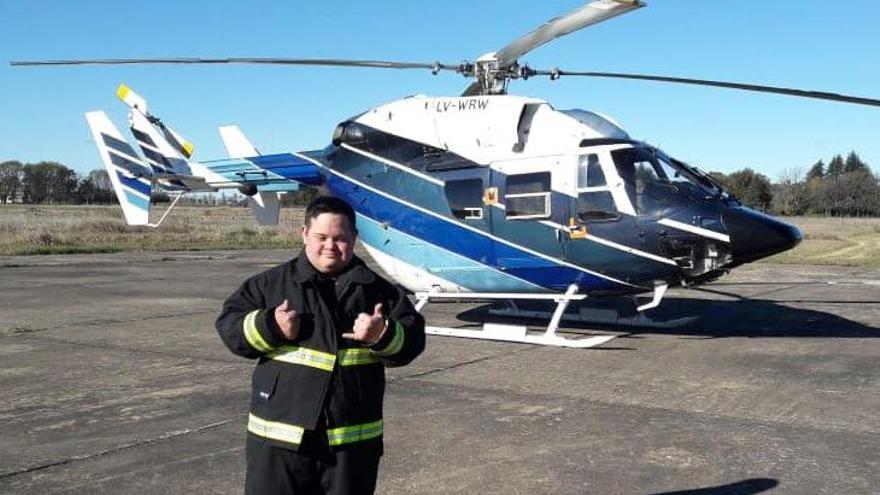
287, 320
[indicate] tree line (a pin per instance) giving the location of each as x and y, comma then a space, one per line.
842, 187
52, 183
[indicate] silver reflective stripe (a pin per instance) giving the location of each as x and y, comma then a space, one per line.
252, 335
356, 356
354, 433
274, 430
395, 345
302, 355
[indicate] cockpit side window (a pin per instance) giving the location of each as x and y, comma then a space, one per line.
590, 172
594, 200
653, 182
646, 175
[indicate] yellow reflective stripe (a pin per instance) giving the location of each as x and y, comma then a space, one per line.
355, 433
252, 335
304, 356
356, 356
274, 430
396, 342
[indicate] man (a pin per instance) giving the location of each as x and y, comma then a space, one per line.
323, 326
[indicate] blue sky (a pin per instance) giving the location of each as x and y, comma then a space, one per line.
818, 45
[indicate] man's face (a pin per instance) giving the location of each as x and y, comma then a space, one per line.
329, 242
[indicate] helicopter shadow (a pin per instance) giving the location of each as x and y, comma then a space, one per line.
699, 318
744, 487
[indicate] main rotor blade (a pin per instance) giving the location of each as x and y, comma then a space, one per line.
819, 95
381, 64
591, 13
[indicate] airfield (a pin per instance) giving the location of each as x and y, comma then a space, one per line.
113, 380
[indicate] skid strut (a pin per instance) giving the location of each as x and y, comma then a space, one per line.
515, 333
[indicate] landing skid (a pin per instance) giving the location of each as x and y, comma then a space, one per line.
516, 333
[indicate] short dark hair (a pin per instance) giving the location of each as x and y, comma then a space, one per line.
329, 204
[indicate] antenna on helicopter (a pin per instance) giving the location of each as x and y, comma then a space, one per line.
494, 70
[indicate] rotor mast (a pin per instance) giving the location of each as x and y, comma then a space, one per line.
493, 70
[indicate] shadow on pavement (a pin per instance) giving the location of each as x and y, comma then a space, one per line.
693, 317
745, 487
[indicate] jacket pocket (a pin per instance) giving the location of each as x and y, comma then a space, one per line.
263, 385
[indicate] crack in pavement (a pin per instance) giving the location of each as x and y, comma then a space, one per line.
135, 350
24, 329
464, 363
150, 468
113, 450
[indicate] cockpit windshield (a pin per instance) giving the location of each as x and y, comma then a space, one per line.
644, 167
654, 180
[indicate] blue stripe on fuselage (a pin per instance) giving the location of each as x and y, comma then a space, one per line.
289, 166
475, 246
282, 169
437, 261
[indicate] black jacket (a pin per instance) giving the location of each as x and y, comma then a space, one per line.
320, 380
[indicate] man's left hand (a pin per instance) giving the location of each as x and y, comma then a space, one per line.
368, 328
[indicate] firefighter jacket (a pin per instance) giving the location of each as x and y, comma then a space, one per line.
319, 381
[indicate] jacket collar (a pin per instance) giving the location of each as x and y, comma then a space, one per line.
356, 271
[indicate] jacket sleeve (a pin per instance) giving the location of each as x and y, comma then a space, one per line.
245, 325
404, 339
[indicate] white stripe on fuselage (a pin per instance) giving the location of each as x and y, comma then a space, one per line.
606, 242
393, 164
693, 229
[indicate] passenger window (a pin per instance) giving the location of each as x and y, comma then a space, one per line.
465, 198
596, 206
528, 196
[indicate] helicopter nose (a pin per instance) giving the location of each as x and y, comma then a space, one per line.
754, 235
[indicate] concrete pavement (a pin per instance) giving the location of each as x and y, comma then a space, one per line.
113, 380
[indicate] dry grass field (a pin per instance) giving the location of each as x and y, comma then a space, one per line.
26, 229
835, 241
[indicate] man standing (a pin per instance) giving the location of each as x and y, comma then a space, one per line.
323, 326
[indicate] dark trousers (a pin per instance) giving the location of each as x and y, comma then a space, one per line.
314, 470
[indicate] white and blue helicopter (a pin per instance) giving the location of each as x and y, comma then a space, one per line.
484, 195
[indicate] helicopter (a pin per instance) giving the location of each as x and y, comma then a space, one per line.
485, 195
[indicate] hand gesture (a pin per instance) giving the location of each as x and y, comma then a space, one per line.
288, 321
368, 328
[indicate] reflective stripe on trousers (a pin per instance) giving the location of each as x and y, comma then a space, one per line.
293, 434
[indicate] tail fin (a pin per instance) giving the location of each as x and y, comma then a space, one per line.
265, 205
166, 151
236, 143
132, 179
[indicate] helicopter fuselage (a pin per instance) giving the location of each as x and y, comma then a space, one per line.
507, 194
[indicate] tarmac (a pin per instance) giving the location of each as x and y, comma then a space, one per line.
113, 381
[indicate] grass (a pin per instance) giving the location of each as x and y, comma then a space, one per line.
835, 241
27, 229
